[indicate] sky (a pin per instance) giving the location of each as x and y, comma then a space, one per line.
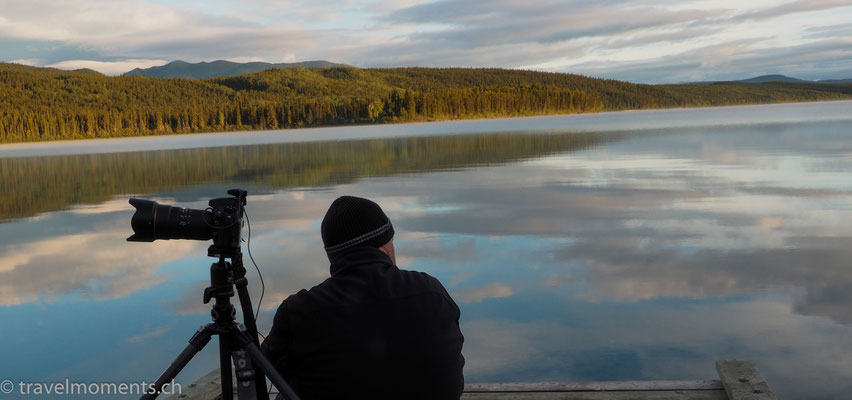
647, 41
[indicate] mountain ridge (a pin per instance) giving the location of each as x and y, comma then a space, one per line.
221, 68
775, 78
224, 68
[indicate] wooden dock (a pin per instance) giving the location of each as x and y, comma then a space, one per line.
738, 380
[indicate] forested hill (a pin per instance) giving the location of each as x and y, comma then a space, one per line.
219, 68
48, 104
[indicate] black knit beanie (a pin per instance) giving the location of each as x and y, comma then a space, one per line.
351, 222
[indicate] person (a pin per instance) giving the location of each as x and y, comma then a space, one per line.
371, 330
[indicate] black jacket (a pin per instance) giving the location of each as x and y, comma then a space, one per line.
370, 331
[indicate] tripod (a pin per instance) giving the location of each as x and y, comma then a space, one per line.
235, 340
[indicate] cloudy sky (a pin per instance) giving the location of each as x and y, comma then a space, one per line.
650, 41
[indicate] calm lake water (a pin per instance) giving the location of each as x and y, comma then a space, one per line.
622, 246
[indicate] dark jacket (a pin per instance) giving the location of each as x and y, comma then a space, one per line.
369, 331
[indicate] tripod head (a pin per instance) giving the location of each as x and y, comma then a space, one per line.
227, 216
221, 283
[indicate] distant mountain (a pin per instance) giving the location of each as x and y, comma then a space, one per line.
835, 80
778, 78
220, 68
772, 78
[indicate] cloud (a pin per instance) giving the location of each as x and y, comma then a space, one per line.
483, 33
435, 54
458, 250
640, 41
620, 268
87, 20
29, 61
476, 295
107, 67
144, 33
81, 253
732, 61
144, 336
644, 41
664, 37
96, 265
828, 32
479, 23
793, 7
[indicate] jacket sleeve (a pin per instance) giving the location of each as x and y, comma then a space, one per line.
275, 345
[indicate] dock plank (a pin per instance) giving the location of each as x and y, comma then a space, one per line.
593, 386
619, 390
601, 395
208, 388
742, 381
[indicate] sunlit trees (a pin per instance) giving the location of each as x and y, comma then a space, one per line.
47, 104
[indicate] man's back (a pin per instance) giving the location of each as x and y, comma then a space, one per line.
369, 331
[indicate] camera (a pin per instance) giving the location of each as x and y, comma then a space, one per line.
221, 221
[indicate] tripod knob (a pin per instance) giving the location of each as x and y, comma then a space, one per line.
209, 293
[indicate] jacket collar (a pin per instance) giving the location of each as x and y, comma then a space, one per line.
357, 256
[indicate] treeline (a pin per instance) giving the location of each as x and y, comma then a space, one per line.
33, 185
46, 104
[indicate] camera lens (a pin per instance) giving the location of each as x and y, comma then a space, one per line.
159, 221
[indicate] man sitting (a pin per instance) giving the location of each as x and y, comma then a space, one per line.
371, 330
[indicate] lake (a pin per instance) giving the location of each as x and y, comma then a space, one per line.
621, 246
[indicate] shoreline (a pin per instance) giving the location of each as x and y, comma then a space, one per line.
607, 121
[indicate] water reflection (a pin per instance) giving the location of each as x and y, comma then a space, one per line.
80, 252
573, 257
32, 185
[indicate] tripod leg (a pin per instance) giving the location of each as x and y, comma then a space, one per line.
246, 377
269, 370
196, 343
225, 367
262, 363
248, 316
